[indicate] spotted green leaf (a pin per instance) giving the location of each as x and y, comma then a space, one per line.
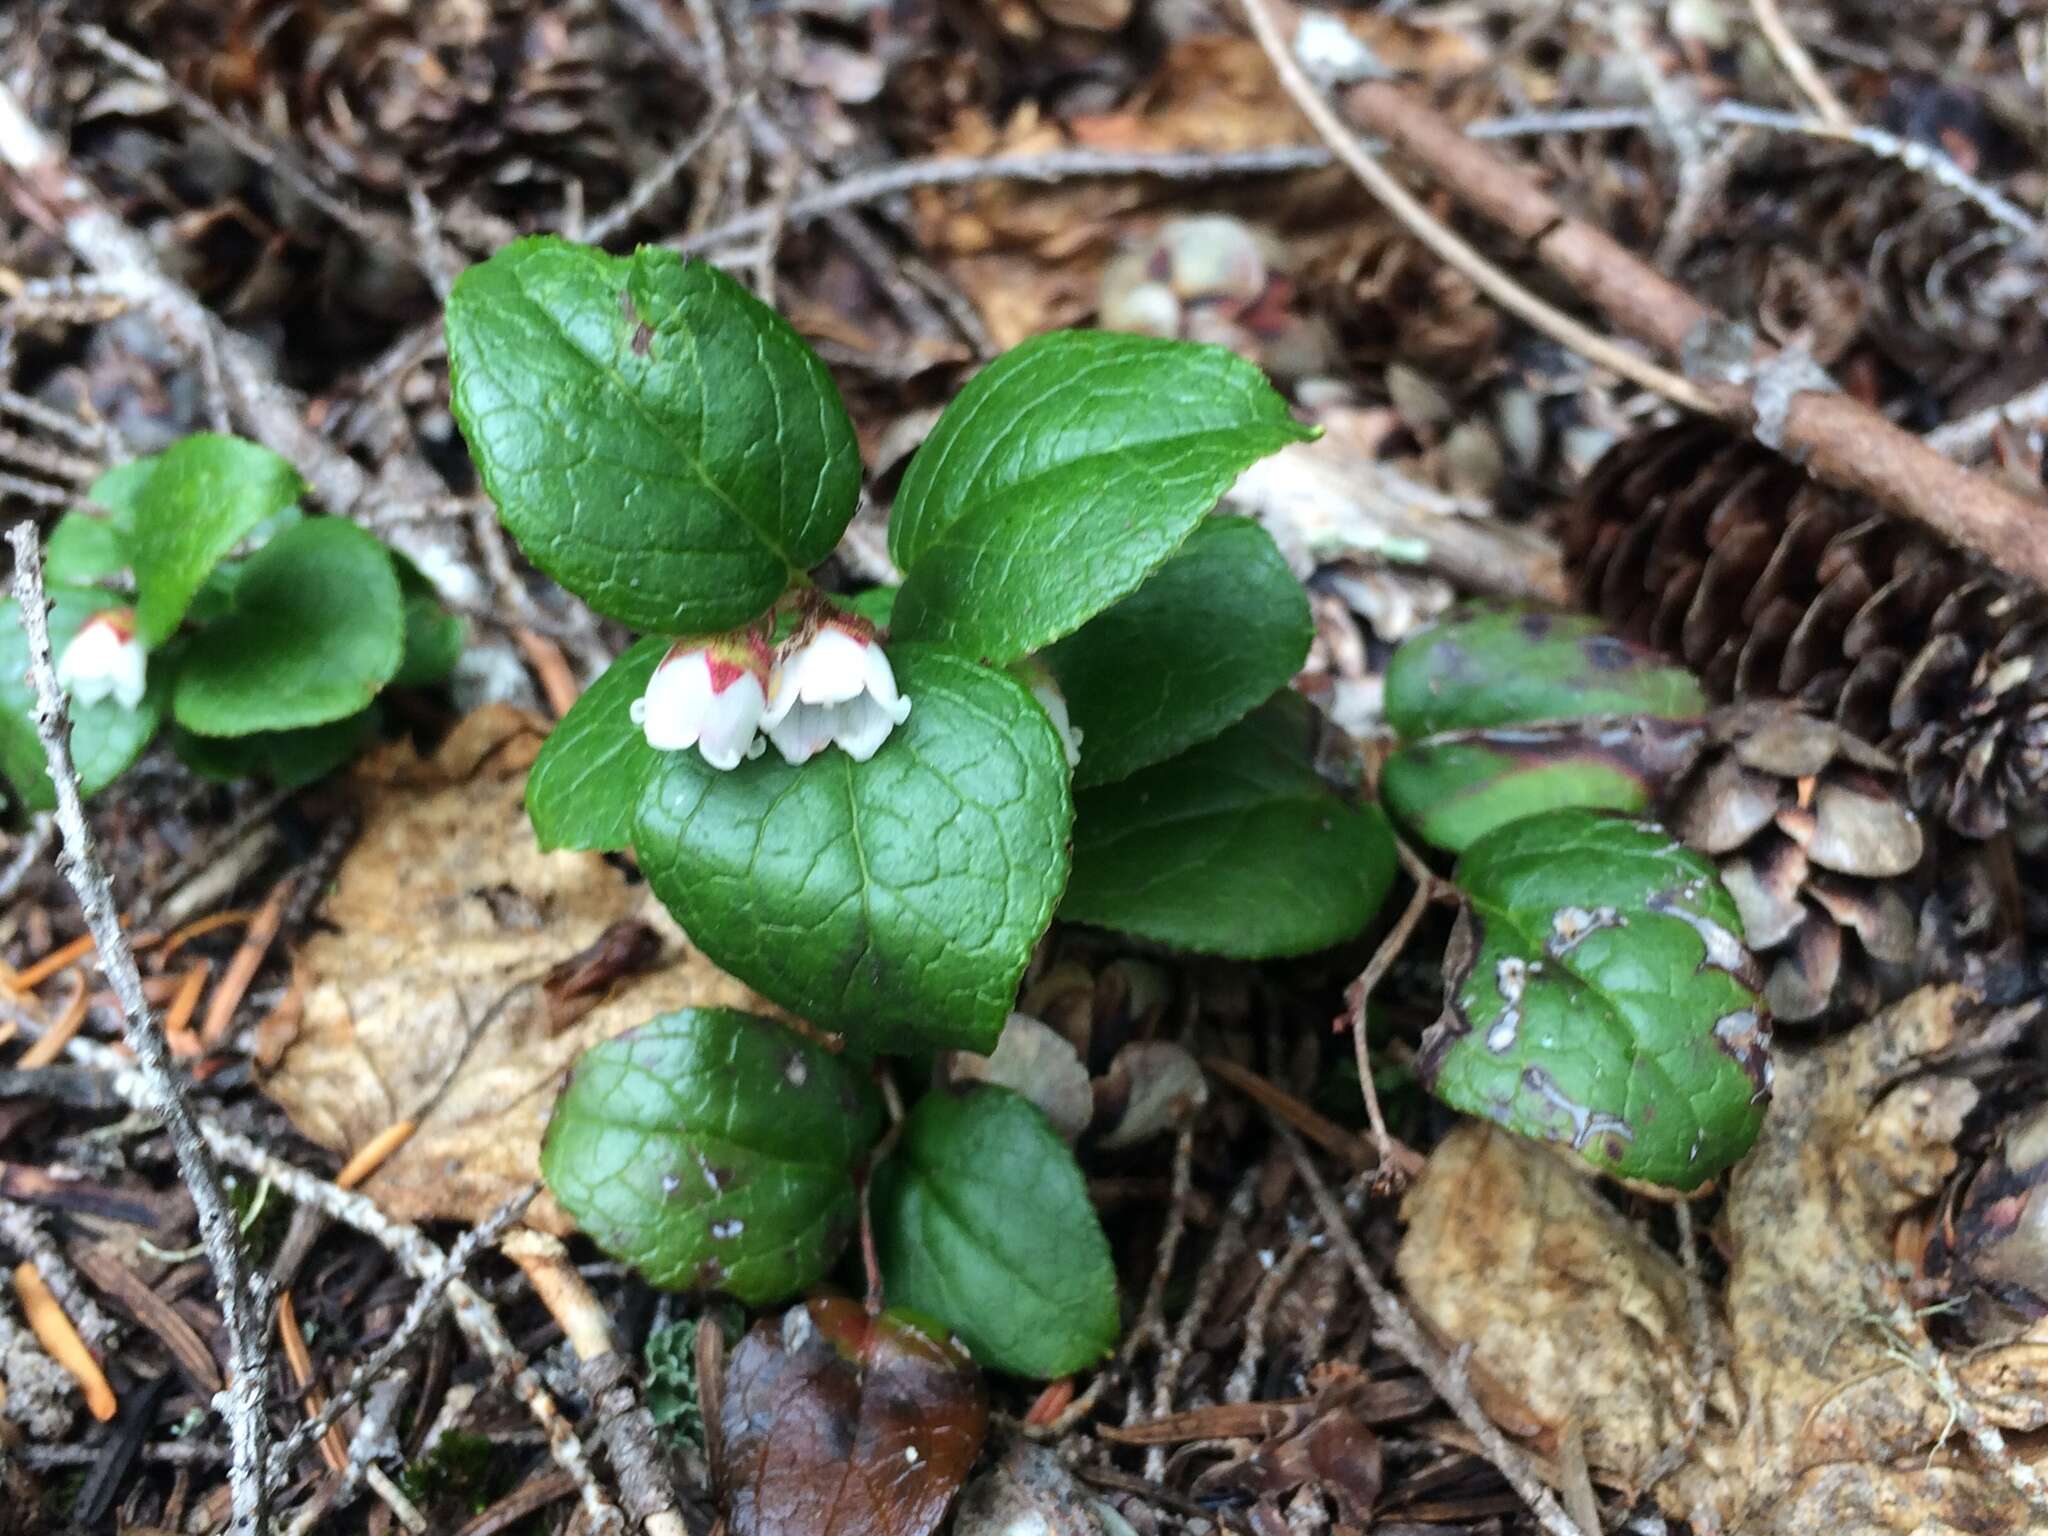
1598, 994
713, 1150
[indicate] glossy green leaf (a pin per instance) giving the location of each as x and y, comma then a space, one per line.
433, 635
897, 899
657, 439
1237, 847
712, 1149
316, 629
586, 782
105, 738
1498, 666
1213, 633
1599, 995
982, 1220
287, 759
205, 495
83, 548
1453, 788
1063, 475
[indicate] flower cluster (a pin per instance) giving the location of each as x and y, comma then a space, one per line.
105, 659
830, 686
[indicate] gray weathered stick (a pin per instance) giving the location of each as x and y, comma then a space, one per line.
242, 1304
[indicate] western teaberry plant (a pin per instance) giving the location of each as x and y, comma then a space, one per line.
871, 809
196, 589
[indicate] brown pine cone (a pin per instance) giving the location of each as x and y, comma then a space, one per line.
1841, 894
1773, 586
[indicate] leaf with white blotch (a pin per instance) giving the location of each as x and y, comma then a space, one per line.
1063, 475
714, 1150
835, 1423
1598, 994
1200, 645
656, 438
896, 900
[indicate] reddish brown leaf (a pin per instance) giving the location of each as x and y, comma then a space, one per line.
838, 1424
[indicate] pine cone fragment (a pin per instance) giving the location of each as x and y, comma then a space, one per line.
1824, 860
1772, 586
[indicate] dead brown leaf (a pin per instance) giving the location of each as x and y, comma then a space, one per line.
429, 995
1819, 1422
835, 1423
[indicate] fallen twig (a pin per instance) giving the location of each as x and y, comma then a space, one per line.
159, 1089
1841, 441
22, 1230
623, 1423
424, 1307
1968, 436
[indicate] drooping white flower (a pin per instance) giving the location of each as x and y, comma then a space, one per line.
707, 694
1036, 676
833, 687
105, 659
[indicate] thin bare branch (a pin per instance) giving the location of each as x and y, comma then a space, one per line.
161, 1092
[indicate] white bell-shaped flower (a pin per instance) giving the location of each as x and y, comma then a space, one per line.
105, 660
834, 686
707, 694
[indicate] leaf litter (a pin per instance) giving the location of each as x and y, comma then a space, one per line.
1805, 1370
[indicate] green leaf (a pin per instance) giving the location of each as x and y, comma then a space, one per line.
657, 439
119, 490
1599, 995
877, 605
288, 759
1066, 472
982, 1220
584, 785
897, 899
204, 496
1455, 787
1215, 632
317, 628
433, 635
1496, 666
714, 1149
1236, 847
83, 548
105, 738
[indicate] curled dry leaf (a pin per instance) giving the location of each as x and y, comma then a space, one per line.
1819, 1423
1152, 1086
1039, 1062
835, 1423
460, 971
1029, 1492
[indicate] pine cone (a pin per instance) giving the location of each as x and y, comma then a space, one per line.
1835, 878
1773, 586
